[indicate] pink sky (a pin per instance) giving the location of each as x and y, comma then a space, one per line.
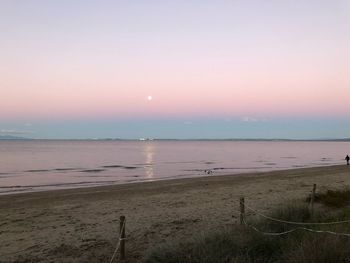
195, 59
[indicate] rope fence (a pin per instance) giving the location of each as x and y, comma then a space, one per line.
293, 230
300, 225
295, 223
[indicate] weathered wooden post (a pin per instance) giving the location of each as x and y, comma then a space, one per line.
312, 199
241, 206
122, 237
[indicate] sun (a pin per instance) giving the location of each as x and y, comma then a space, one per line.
149, 98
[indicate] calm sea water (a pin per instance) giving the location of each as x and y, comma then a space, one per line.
27, 166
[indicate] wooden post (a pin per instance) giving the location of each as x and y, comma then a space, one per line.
312, 199
241, 206
122, 237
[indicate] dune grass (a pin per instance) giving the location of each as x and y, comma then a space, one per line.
334, 198
243, 244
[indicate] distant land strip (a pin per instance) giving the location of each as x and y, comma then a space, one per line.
10, 137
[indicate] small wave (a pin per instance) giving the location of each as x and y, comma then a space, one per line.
181, 162
93, 170
5, 176
270, 164
133, 175
50, 170
260, 161
95, 176
326, 159
65, 169
238, 168
37, 170
225, 168
58, 184
120, 166
144, 164
130, 167
11, 186
15, 191
112, 166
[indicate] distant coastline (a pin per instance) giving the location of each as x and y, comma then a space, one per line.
10, 137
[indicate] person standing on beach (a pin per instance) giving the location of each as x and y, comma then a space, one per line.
347, 158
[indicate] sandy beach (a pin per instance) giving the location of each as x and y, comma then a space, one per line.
81, 225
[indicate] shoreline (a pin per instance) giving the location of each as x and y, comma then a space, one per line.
82, 224
19, 192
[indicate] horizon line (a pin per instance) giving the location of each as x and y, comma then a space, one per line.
11, 137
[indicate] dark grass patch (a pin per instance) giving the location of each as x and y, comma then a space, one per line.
319, 249
333, 198
226, 245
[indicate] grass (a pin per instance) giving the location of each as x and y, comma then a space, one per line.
334, 198
244, 245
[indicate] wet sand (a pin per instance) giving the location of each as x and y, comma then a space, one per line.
81, 225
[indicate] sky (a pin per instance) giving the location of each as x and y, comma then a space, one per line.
175, 69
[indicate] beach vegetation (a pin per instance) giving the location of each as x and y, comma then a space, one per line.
246, 245
334, 198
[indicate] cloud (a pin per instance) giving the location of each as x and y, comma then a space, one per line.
251, 119
188, 122
14, 132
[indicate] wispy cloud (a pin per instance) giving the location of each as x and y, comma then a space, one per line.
252, 119
249, 119
188, 122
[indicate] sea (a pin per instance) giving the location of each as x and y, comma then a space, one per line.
39, 165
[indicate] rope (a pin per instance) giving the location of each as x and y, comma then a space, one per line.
268, 233
118, 244
295, 223
295, 229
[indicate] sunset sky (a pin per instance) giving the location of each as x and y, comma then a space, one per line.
175, 69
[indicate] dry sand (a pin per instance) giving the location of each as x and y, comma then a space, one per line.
81, 225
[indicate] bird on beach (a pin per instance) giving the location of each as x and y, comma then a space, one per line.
208, 171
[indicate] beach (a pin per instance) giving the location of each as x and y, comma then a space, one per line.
82, 225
